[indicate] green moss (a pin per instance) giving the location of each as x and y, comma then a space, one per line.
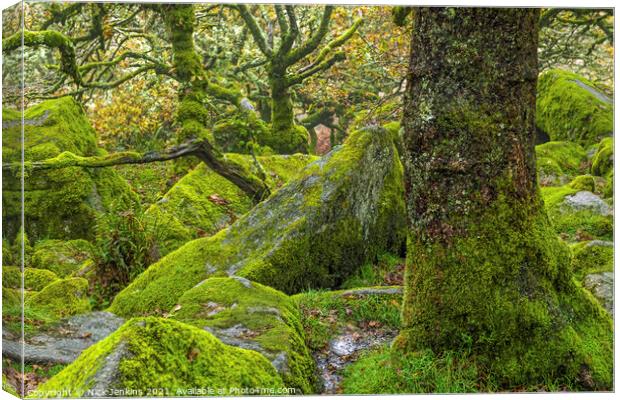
7, 387
11, 298
291, 141
592, 257
11, 277
37, 279
574, 225
384, 372
558, 162
603, 161
269, 321
203, 202
554, 196
61, 257
520, 315
62, 298
583, 182
569, 107
377, 273
608, 190
34, 279
61, 203
326, 314
147, 180
238, 134
155, 357
35, 317
315, 231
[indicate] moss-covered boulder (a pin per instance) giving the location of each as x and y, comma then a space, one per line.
295, 140
558, 162
162, 357
583, 182
203, 202
238, 134
61, 257
578, 215
11, 298
315, 231
249, 315
61, 298
34, 278
603, 161
592, 257
61, 203
569, 107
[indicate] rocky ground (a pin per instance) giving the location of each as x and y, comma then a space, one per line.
299, 286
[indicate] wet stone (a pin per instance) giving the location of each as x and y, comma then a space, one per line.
63, 343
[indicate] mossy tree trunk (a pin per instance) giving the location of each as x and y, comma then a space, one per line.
282, 116
192, 115
292, 48
486, 275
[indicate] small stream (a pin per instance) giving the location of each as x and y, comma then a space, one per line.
343, 350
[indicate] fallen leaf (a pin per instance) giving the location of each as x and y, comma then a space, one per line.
214, 198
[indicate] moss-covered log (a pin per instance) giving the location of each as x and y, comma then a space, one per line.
162, 357
486, 275
313, 232
569, 107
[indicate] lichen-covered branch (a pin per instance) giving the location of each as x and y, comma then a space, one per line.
292, 31
311, 45
52, 39
255, 30
308, 72
334, 44
68, 159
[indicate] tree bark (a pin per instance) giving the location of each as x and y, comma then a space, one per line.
486, 275
282, 116
195, 86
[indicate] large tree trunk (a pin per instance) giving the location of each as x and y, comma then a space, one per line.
486, 275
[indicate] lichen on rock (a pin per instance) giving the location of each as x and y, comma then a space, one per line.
316, 230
